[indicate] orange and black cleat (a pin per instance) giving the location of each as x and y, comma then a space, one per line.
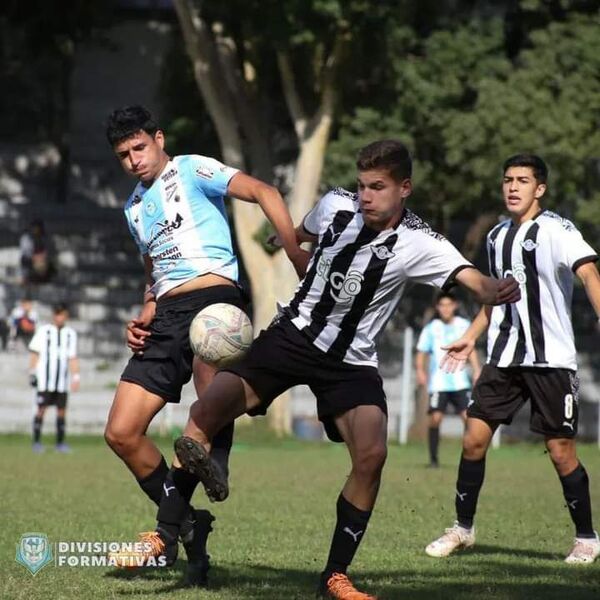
153, 549
339, 587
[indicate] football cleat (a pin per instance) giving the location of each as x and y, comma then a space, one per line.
147, 551
339, 587
585, 551
195, 547
196, 460
454, 538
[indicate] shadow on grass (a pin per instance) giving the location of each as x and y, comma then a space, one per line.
489, 579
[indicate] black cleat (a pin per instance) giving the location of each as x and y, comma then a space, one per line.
195, 548
197, 461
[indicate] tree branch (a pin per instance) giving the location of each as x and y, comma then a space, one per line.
290, 91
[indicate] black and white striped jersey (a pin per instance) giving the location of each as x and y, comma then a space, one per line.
357, 275
55, 347
542, 254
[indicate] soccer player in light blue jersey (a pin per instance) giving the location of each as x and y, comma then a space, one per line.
443, 388
177, 217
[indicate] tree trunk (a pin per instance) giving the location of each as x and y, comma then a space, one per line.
230, 101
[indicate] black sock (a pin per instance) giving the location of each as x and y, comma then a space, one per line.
37, 429
152, 484
576, 489
174, 505
468, 484
349, 530
60, 430
221, 447
434, 441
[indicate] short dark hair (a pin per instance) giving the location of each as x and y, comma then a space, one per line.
443, 295
60, 307
127, 121
391, 155
534, 162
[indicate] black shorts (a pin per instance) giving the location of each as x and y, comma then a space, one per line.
554, 393
58, 399
166, 364
282, 357
438, 401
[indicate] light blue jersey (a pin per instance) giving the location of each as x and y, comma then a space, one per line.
435, 335
181, 224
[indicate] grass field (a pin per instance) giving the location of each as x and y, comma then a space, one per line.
272, 536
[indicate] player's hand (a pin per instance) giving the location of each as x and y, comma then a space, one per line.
421, 378
456, 355
508, 291
137, 333
300, 259
274, 241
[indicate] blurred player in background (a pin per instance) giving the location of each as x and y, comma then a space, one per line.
176, 215
443, 388
22, 323
53, 371
531, 353
368, 247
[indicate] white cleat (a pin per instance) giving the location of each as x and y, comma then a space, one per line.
585, 551
454, 538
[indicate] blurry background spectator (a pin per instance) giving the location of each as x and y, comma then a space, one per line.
23, 320
36, 260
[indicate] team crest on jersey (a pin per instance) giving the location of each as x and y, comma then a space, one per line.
529, 245
382, 252
150, 208
204, 172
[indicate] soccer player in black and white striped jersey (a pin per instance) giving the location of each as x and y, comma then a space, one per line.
54, 371
368, 247
531, 352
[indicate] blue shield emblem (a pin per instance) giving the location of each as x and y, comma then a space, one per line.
34, 551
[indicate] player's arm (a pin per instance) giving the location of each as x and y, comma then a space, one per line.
74, 371
421, 367
488, 290
458, 352
34, 357
589, 276
475, 366
137, 328
248, 188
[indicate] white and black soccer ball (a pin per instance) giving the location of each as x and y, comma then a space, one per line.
220, 334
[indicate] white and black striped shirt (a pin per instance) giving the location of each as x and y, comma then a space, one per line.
357, 275
55, 348
542, 254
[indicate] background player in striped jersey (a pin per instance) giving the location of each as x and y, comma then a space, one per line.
444, 388
531, 352
368, 246
54, 370
176, 215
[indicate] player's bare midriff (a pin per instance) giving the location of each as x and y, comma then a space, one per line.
202, 281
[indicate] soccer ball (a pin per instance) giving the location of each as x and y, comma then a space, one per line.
220, 334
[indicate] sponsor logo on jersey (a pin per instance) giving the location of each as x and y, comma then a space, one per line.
344, 286
204, 172
165, 227
169, 175
518, 272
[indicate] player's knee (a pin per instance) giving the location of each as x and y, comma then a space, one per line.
120, 441
370, 462
474, 448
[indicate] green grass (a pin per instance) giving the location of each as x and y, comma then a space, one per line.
272, 536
